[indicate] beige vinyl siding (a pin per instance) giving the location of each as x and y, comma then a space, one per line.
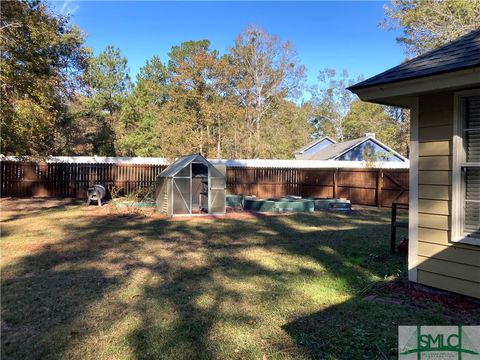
450, 253
448, 268
434, 177
434, 192
435, 118
435, 133
441, 207
441, 263
449, 283
436, 148
438, 237
433, 221
434, 163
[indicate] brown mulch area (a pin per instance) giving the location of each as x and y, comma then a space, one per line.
120, 214
150, 213
42, 203
464, 309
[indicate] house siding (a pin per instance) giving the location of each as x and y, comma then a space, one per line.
441, 263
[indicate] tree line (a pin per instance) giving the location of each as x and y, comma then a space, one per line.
57, 97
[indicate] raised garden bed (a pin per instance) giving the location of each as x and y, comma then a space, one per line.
278, 205
288, 204
135, 204
339, 204
233, 200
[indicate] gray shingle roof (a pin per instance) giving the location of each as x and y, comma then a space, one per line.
311, 143
334, 150
462, 53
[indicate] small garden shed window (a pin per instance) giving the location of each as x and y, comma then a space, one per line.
191, 185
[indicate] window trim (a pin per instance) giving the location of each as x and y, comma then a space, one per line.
458, 156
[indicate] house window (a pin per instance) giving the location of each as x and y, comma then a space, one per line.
466, 170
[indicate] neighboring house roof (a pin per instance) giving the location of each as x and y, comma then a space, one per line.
313, 143
460, 54
335, 151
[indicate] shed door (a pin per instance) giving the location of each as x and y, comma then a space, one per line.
217, 188
181, 192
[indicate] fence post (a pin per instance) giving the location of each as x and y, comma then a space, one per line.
379, 187
393, 222
335, 183
300, 178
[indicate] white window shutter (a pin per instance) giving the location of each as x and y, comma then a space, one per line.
471, 171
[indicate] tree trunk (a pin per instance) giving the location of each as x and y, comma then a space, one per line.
207, 143
201, 140
218, 138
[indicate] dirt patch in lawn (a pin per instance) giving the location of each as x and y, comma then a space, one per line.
110, 210
138, 213
35, 203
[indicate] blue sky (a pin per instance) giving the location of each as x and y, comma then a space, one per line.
340, 35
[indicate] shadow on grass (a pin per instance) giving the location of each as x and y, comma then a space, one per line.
181, 289
366, 326
27, 208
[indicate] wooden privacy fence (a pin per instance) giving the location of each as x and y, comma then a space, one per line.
377, 187
25, 179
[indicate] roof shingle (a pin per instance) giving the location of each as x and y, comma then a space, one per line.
334, 150
460, 54
312, 143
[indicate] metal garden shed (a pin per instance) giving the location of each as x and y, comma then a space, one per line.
191, 185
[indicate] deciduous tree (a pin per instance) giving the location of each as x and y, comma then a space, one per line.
366, 117
331, 102
41, 62
137, 133
108, 86
266, 70
428, 24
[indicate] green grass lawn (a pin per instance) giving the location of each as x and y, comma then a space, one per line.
87, 283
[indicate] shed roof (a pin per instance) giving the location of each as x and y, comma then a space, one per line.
181, 162
459, 54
